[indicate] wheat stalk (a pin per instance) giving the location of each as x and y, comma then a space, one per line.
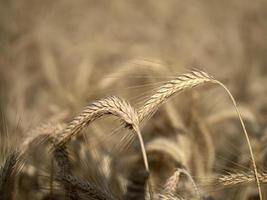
187, 81
246, 135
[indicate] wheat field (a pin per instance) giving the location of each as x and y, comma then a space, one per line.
133, 100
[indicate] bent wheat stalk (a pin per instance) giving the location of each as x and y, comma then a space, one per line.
246, 135
187, 81
108, 106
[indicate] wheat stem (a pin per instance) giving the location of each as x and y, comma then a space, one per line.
246, 135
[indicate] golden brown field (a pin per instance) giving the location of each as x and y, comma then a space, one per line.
133, 100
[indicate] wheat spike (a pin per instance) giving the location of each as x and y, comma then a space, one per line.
241, 178
170, 88
108, 106
187, 81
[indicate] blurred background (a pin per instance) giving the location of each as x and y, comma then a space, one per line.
56, 56
49, 45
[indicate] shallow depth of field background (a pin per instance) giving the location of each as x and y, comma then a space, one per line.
57, 56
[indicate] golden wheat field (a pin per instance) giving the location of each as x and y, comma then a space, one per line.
133, 100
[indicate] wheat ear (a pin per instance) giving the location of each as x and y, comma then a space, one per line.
108, 106
170, 88
187, 81
241, 178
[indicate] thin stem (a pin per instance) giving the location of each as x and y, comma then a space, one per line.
142, 148
141, 141
247, 137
